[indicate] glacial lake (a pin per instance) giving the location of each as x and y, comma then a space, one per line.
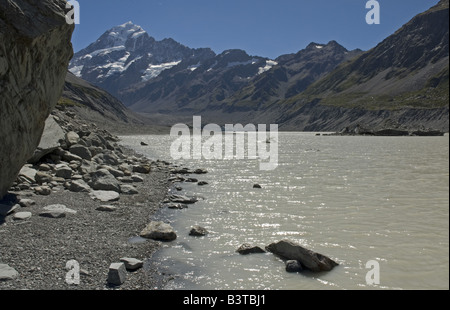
353, 199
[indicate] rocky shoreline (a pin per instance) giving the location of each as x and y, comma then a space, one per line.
86, 200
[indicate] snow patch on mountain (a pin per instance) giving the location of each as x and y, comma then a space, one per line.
154, 70
267, 67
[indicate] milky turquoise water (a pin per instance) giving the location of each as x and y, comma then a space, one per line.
354, 199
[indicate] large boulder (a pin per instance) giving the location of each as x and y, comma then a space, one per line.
307, 258
50, 140
35, 50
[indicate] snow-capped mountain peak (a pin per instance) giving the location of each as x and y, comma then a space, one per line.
120, 34
125, 55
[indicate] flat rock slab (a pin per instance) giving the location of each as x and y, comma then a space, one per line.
106, 208
7, 273
21, 216
158, 231
308, 259
60, 208
105, 196
132, 264
182, 199
53, 214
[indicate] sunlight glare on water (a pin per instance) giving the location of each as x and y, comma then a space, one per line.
354, 199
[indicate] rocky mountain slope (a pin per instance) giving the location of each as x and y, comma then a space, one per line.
192, 87
404, 79
96, 105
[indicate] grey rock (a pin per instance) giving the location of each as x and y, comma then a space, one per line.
158, 231
26, 203
308, 259
132, 264
22, 215
117, 274
60, 208
198, 231
67, 156
7, 273
103, 180
81, 151
128, 190
79, 186
72, 138
137, 178
293, 266
201, 183
28, 173
50, 140
143, 168
246, 249
63, 171
53, 214
42, 177
173, 205
106, 208
257, 186
43, 190
182, 199
105, 196
44, 167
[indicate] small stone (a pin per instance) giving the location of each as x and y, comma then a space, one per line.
137, 178
182, 199
201, 183
128, 190
106, 208
7, 273
63, 171
132, 264
42, 177
43, 190
72, 138
26, 203
81, 151
200, 171
117, 274
173, 205
257, 186
44, 167
293, 266
145, 169
79, 186
198, 231
22, 216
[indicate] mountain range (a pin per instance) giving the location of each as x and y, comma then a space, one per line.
402, 81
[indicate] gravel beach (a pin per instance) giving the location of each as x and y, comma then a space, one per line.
35, 249
39, 248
